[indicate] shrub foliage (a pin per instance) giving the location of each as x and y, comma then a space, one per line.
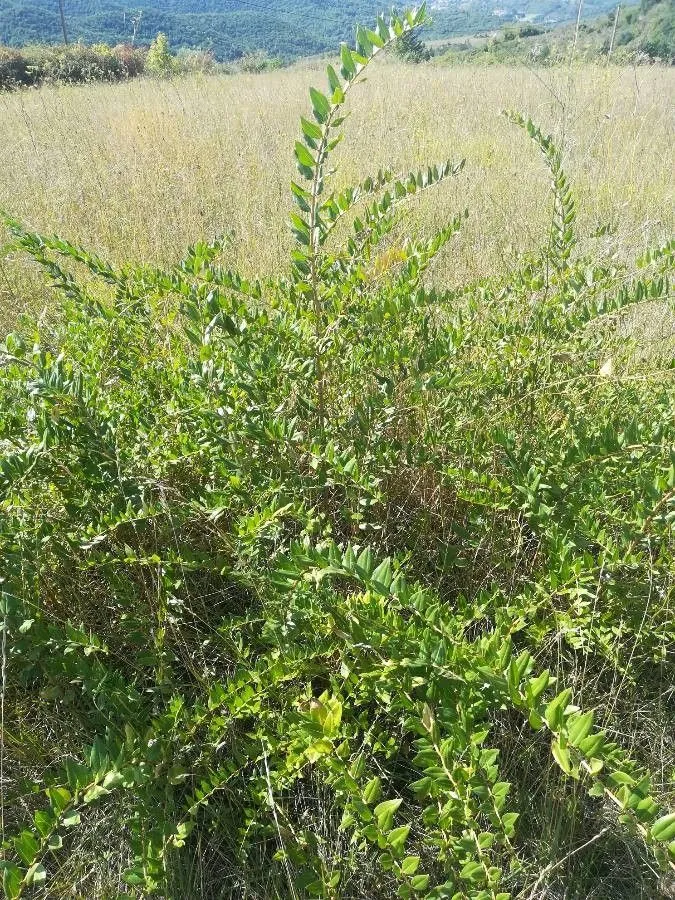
74, 63
289, 567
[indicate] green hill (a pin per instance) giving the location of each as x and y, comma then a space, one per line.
287, 28
645, 31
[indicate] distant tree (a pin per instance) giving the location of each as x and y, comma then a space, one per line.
411, 49
159, 60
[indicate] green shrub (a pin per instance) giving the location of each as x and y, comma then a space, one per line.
258, 61
159, 60
73, 63
292, 567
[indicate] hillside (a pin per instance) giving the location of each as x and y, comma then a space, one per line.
644, 31
287, 28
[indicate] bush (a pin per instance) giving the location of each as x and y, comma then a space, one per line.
132, 59
257, 62
14, 70
73, 63
292, 568
159, 60
195, 61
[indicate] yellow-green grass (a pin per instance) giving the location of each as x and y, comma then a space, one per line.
137, 171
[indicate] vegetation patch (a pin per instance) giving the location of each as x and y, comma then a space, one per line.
338, 584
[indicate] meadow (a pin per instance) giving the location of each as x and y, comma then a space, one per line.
336, 524
140, 170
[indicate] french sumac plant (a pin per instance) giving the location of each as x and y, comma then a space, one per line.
301, 577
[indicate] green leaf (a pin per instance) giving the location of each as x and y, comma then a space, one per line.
579, 728
595, 766
27, 847
12, 879
333, 79
410, 865
422, 787
385, 813
374, 38
300, 229
537, 686
381, 577
620, 778
59, 798
363, 41
472, 871
78, 776
44, 821
372, 791
535, 720
318, 749
562, 757
303, 156
365, 562
320, 105
311, 131
664, 828
349, 559
348, 65
420, 17
505, 653
301, 196
485, 840
556, 708
509, 821
397, 837
113, 779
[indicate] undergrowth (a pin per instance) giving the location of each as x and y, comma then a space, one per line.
339, 584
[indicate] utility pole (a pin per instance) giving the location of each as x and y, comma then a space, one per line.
576, 30
63, 22
611, 43
136, 21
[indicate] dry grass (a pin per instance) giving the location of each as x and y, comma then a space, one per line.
140, 170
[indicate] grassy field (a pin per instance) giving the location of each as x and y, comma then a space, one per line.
357, 581
140, 170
